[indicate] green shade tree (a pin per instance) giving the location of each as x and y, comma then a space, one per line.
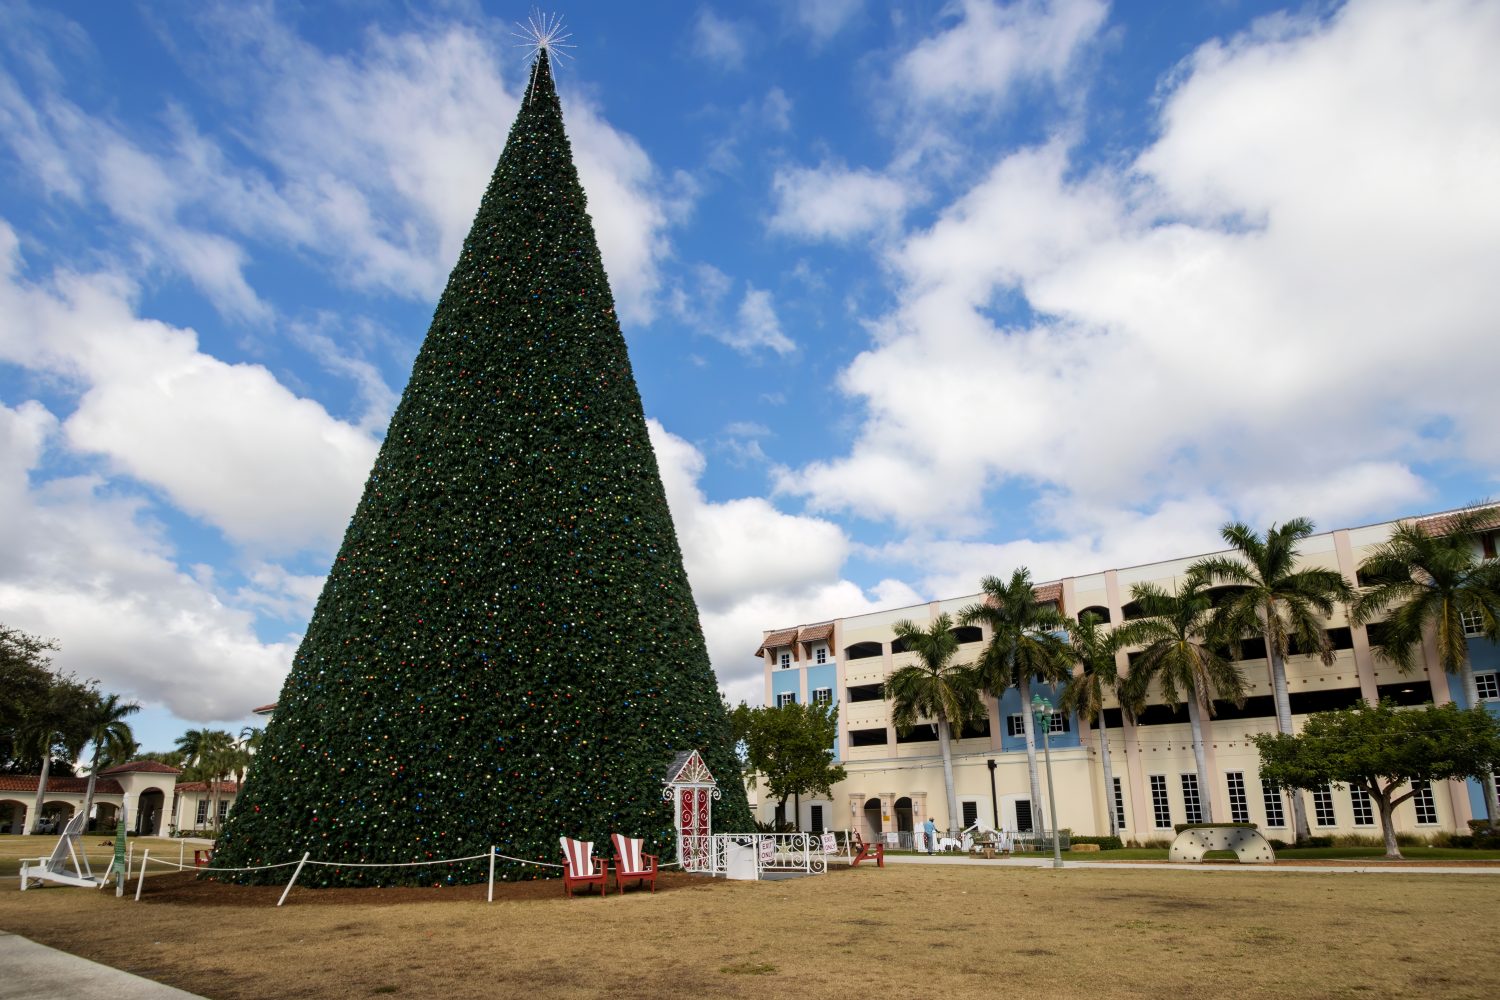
1026, 643
1270, 597
936, 688
1437, 580
1382, 749
506, 649
1176, 638
792, 747
26, 680
104, 722
1093, 648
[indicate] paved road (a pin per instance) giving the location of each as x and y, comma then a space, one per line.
1045, 861
31, 971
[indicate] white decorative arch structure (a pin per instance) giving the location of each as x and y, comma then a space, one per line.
691, 788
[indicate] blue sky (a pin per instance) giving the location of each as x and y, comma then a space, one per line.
915, 292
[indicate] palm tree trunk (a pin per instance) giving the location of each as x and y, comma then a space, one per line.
944, 745
35, 816
1195, 719
1487, 779
1283, 701
1038, 821
1109, 779
88, 795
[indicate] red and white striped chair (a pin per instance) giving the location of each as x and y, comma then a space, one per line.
631, 863
581, 868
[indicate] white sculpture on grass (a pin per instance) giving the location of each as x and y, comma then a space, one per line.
55, 867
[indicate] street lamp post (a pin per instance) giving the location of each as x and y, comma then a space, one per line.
994, 798
1043, 711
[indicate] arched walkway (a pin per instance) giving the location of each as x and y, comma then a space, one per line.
12, 815
903, 819
106, 816
148, 813
55, 815
874, 829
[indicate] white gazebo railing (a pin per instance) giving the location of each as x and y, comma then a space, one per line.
750, 855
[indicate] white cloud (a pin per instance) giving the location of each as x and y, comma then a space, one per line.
83, 562
377, 165
822, 19
719, 40
834, 202
227, 443
753, 567
758, 325
1251, 310
993, 47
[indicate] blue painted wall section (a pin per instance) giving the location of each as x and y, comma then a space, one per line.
1484, 657
823, 676
1010, 704
783, 681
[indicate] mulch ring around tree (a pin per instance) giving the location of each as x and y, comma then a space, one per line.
187, 889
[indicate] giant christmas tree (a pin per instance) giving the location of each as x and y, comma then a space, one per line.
506, 649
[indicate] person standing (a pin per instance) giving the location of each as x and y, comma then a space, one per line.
930, 829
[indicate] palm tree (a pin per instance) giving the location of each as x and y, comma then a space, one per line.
1025, 643
935, 688
1094, 649
1175, 635
207, 752
53, 727
110, 733
1282, 604
1436, 578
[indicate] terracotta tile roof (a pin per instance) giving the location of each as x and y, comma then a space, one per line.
27, 783
147, 766
815, 633
1441, 524
785, 637
228, 787
265, 709
1048, 592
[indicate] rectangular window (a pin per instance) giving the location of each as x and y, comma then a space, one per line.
786, 698
1119, 806
815, 820
1488, 685
1015, 725
223, 809
866, 692
971, 813
1473, 623
821, 655
1364, 809
868, 737
822, 696
785, 659
1160, 807
1192, 805
1323, 806
1275, 814
202, 811
1023, 815
1426, 807
1239, 803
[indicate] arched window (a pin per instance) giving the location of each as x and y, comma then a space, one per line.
1099, 611
968, 633
860, 650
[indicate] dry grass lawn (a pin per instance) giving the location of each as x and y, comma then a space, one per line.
904, 931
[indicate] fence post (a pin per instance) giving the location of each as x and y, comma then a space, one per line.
129, 860
294, 878
491, 897
181, 853
140, 879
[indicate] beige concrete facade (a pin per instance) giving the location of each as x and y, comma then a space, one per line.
894, 783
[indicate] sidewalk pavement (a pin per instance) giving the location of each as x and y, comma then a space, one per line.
1045, 861
31, 971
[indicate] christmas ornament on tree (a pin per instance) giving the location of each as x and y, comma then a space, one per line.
506, 649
